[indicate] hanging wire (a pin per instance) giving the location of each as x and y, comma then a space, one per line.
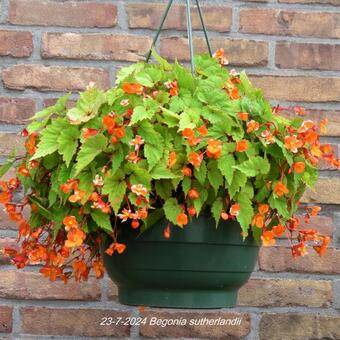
189, 31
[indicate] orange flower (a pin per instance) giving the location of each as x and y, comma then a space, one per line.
186, 171
299, 249
109, 121
172, 159
71, 184
23, 171
299, 167
300, 111
306, 125
139, 189
70, 222
234, 94
75, 238
268, 238
182, 219
192, 211
278, 230
119, 132
242, 146
166, 232
98, 268
24, 229
80, 270
30, 144
188, 133
292, 143
315, 210
87, 133
219, 55
132, 157
5, 196
321, 250
119, 247
133, 88
258, 221
51, 272
193, 194
224, 216
195, 159
263, 208
78, 195
135, 224
252, 126
235, 209
214, 148
203, 131
280, 189
323, 125
243, 115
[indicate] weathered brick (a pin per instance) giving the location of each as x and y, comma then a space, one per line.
16, 44
308, 56
217, 18
51, 101
6, 322
299, 326
333, 116
239, 52
68, 13
308, 89
290, 23
278, 259
317, 2
31, 286
16, 110
10, 141
324, 224
112, 291
95, 46
54, 78
281, 293
326, 192
194, 331
73, 322
6, 242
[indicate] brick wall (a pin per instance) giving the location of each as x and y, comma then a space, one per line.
291, 48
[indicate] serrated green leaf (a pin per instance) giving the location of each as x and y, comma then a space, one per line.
68, 143
115, 188
8, 164
102, 220
139, 114
201, 173
246, 212
92, 147
239, 180
225, 164
280, 204
171, 210
186, 185
160, 171
214, 175
153, 153
117, 158
254, 166
47, 144
216, 209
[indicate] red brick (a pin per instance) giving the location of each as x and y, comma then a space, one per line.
333, 116
317, 2
193, 331
217, 18
308, 89
95, 46
282, 293
54, 78
324, 224
32, 286
308, 56
279, 259
239, 52
16, 44
51, 101
72, 322
6, 322
326, 192
290, 23
6, 242
16, 110
299, 326
10, 141
68, 13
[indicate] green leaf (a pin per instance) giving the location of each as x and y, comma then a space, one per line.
8, 165
199, 202
139, 114
280, 204
117, 158
169, 118
153, 153
216, 209
162, 62
102, 220
149, 134
201, 173
163, 188
214, 175
68, 143
48, 143
186, 185
225, 164
239, 180
115, 188
91, 148
171, 210
246, 212
161, 171
126, 72
254, 166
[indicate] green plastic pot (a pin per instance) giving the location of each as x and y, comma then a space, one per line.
200, 266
